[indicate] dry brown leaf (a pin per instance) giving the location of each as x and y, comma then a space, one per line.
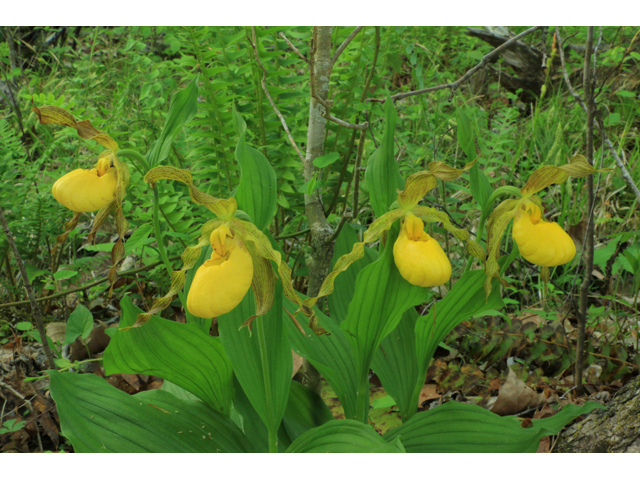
132, 380
427, 393
297, 363
514, 396
56, 331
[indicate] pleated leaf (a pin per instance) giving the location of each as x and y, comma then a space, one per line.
396, 364
179, 352
344, 436
344, 285
269, 398
464, 300
380, 299
257, 191
305, 410
184, 106
330, 354
462, 428
382, 176
98, 417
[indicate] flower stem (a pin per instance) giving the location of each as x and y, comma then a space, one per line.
266, 377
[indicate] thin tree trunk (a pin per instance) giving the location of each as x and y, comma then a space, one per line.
588, 248
319, 258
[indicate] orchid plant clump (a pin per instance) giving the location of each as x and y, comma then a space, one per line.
234, 392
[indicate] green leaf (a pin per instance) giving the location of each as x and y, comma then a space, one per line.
269, 398
184, 106
80, 323
137, 238
381, 297
466, 135
462, 428
179, 352
480, 187
382, 176
464, 300
98, 417
331, 354
326, 159
64, 274
258, 189
383, 402
344, 436
344, 285
24, 326
396, 364
305, 410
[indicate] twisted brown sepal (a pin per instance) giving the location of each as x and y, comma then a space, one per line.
222, 207
189, 258
420, 183
578, 167
59, 116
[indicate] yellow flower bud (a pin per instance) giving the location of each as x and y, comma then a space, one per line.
221, 283
87, 190
540, 242
419, 257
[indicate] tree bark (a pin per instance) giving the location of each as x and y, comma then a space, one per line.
616, 429
319, 258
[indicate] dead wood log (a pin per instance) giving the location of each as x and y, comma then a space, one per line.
616, 429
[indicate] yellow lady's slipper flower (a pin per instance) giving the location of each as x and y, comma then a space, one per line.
540, 242
87, 190
419, 257
221, 282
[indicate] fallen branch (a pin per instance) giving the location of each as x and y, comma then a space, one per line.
453, 86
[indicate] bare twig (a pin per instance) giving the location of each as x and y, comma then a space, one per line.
623, 169
453, 86
27, 285
292, 235
293, 47
88, 285
344, 45
342, 123
347, 215
266, 91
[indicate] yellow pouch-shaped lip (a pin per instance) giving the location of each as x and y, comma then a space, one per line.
85, 190
542, 243
419, 257
221, 283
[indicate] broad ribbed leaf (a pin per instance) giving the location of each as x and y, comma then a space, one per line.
180, 352
479, 185
344, 436
464, 300
305, 410
98, 417
344, 285
184, 106
269, 398
396, 364
461, 428
381, 297
253, 426
330, 354
257, 191
382, 176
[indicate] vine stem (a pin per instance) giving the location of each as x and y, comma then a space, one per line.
266, 376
